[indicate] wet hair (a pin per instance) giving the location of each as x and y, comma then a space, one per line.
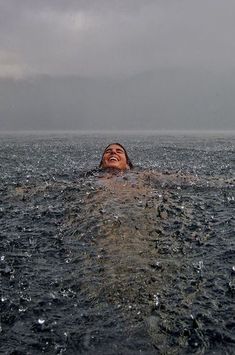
129, 163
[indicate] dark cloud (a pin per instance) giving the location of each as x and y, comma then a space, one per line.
122, 39
117, 37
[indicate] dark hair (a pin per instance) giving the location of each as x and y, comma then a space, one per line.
129, 163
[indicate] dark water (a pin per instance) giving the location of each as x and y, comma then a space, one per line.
140, 263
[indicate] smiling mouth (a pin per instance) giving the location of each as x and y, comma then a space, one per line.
114, 159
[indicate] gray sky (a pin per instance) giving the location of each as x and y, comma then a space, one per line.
127, 64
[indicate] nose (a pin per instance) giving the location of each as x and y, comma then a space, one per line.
113, 151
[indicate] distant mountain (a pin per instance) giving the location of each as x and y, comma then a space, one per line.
175, 98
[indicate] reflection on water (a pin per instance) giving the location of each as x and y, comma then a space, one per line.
140, 262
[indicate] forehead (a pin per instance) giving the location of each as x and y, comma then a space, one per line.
114, 146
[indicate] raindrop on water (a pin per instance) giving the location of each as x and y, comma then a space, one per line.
156, 299
41, 321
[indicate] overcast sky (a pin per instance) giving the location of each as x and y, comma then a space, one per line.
118, 40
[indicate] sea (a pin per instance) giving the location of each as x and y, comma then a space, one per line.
140, 262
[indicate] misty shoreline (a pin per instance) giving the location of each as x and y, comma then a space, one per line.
204, 133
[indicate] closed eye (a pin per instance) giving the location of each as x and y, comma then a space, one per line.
120, 151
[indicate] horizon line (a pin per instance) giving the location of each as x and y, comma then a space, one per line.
123, 132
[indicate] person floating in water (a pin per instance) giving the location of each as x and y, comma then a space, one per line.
115, 157
115, 161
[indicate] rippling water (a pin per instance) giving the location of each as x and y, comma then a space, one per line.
136, 263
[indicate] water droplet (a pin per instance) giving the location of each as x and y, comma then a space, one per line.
156, 299
200, 265
52, 295
41, 321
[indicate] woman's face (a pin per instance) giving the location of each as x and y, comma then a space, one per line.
114, 157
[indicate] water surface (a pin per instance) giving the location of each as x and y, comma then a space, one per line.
137, 263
